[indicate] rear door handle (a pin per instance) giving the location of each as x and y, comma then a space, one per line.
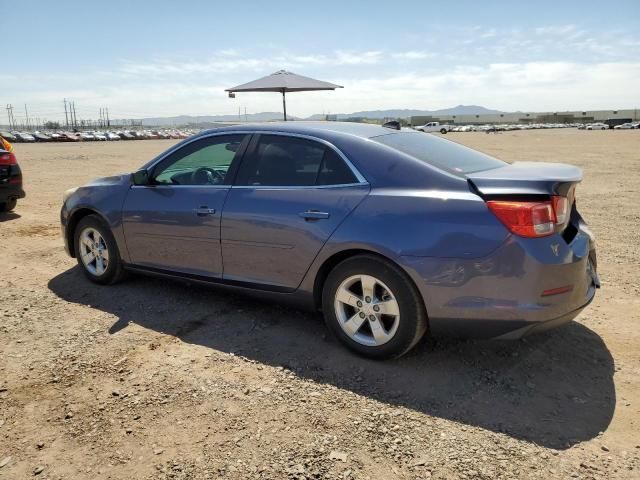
204, 211
311, 215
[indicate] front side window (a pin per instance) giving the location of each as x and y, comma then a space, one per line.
290, 161
203, 162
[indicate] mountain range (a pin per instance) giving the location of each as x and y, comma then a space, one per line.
268, 116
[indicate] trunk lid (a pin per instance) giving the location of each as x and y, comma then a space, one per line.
526, 178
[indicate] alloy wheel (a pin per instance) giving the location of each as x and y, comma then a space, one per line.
93, 251
367, 310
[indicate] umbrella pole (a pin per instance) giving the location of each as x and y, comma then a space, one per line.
284, 106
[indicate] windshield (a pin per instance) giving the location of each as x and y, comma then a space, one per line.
440, 153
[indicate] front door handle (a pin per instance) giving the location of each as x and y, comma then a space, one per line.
204, 211
311, 215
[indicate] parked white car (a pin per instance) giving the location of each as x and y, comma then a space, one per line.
597, 126
433, 127
624, 126
87, 136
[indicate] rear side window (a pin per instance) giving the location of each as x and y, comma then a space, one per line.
290, 161
440, 153
334, 171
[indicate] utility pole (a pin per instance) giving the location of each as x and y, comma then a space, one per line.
74, 119
66, 117
26, 117
108, 122
12, 121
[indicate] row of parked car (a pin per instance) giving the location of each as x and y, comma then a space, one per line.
604, 126
579, 126
92, 135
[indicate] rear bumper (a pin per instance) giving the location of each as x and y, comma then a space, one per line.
501, 329
538, 327
505, 295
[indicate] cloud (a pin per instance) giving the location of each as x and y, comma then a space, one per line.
413, 55
552, 67
226, 61
534, 86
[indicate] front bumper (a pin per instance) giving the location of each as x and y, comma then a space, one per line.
64, 221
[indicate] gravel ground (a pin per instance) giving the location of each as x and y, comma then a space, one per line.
153, 379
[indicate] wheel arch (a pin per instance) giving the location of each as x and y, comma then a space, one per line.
74, 219
331, 262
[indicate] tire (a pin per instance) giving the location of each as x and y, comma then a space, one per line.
8, 205
443, 131
100, 235
399, 332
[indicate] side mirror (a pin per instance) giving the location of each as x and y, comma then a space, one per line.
141, 177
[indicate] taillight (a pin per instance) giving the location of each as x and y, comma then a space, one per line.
8, 158
527, 219
532, 219
561, 208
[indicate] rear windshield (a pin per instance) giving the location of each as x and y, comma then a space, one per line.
440, 153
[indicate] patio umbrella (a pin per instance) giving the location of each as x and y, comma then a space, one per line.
283, 81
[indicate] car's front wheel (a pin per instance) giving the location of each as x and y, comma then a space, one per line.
373, 307
443, 130
97, 252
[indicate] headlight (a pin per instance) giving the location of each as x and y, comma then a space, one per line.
68, 193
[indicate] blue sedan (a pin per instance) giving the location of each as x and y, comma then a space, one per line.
390, 233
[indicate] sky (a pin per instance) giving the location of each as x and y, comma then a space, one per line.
165, 58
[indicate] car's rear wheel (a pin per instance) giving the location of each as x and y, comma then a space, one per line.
8, 205
443, 130
97, 252
373, 307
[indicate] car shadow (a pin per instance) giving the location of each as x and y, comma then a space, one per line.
554, 389
8, 216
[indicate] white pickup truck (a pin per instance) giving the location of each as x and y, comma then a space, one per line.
433, 127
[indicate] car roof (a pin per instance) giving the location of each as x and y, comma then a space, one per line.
362, 130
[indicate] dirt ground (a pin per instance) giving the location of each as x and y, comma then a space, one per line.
154, 379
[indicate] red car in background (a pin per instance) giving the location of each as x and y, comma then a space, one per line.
10, 180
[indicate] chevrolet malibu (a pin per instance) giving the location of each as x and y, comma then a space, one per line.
391, 234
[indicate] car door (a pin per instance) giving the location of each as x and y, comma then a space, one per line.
289, 196
173, 223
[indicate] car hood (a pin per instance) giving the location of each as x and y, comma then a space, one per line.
111, 180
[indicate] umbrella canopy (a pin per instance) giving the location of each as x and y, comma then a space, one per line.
283, 81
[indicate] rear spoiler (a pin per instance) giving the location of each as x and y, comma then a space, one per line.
526, 178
